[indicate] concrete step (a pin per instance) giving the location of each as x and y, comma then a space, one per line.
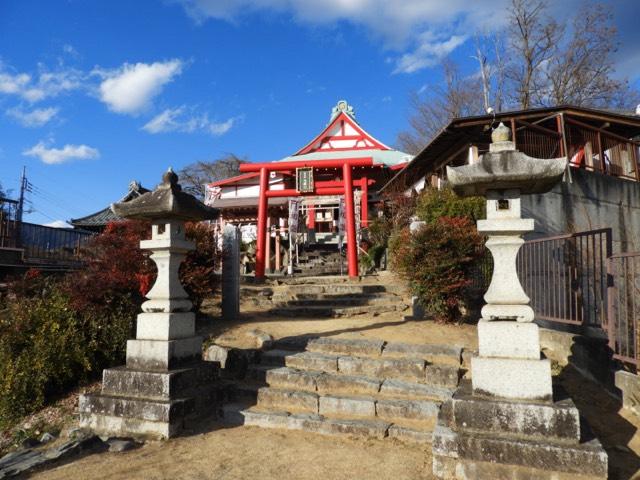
315, 423
354, 301
330, 297
432, 353
326, 311
408, 413
336, 384
404, 369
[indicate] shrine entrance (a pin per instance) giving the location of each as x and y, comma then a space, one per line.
343, 184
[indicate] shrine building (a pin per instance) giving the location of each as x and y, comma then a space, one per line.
332, 181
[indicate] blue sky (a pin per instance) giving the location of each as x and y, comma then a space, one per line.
94, 94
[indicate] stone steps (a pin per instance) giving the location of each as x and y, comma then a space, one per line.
340, 385
366, 388
415, 370
238, 414
328, 311
334, 300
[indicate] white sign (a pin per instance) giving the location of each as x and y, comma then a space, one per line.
211, 194
294, 209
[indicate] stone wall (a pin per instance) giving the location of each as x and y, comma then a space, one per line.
590, 201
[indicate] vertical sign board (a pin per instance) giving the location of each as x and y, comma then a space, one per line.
294, 209
357, 209
341, 221
304, 179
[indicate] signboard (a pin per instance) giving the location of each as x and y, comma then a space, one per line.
304, 179
211, 194
341, 218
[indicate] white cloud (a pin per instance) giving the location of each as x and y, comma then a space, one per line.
34, 88
34, 118
221, 128
429, 52
58, 224
400, 24
130, 88
60, 155
178, 120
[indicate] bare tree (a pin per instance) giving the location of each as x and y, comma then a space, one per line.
195, 176
533, 62
433, 110
533, 42
581, 73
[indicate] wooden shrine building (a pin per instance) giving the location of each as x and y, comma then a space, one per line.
342, 161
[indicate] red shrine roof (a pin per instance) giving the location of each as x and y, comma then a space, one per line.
344, 137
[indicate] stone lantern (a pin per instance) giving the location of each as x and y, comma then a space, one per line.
510, 422
164, 382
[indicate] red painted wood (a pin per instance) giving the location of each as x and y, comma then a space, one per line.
341, 119
279, 166
352, 248
263, 203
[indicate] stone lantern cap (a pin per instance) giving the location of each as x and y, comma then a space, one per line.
167, 201
505, 170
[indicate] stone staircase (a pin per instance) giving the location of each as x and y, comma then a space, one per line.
330, 297
320, 261
364, 388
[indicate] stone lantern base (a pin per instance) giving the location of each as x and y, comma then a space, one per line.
480, 437
163, 385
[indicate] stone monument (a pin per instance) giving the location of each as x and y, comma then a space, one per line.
231, 273
164, 382
510, 422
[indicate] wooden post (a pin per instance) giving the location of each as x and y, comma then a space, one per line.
513, 132
262, 222
561, 132
352, 247
603, 164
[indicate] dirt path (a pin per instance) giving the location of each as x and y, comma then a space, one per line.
216, 452
250, 452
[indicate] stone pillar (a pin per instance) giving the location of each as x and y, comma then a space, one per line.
507, 423
231, 273
164, 382
509, 363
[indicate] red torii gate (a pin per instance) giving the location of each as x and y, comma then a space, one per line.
335, 187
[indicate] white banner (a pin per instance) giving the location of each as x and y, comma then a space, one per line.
294, 214
341, 220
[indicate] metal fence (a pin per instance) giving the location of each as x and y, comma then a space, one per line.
575, 279
566, 276
624, 306
52, 245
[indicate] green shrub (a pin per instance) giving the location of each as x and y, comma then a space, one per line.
437, 261
433, 204
47, 347
56, 333
379, 230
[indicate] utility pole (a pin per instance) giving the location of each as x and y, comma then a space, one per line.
23, 188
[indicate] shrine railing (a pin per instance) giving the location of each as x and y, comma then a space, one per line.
566, 276
624, 306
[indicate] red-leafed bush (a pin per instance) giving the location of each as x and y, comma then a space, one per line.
56, 332
197, 271
114, 264
437, 262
